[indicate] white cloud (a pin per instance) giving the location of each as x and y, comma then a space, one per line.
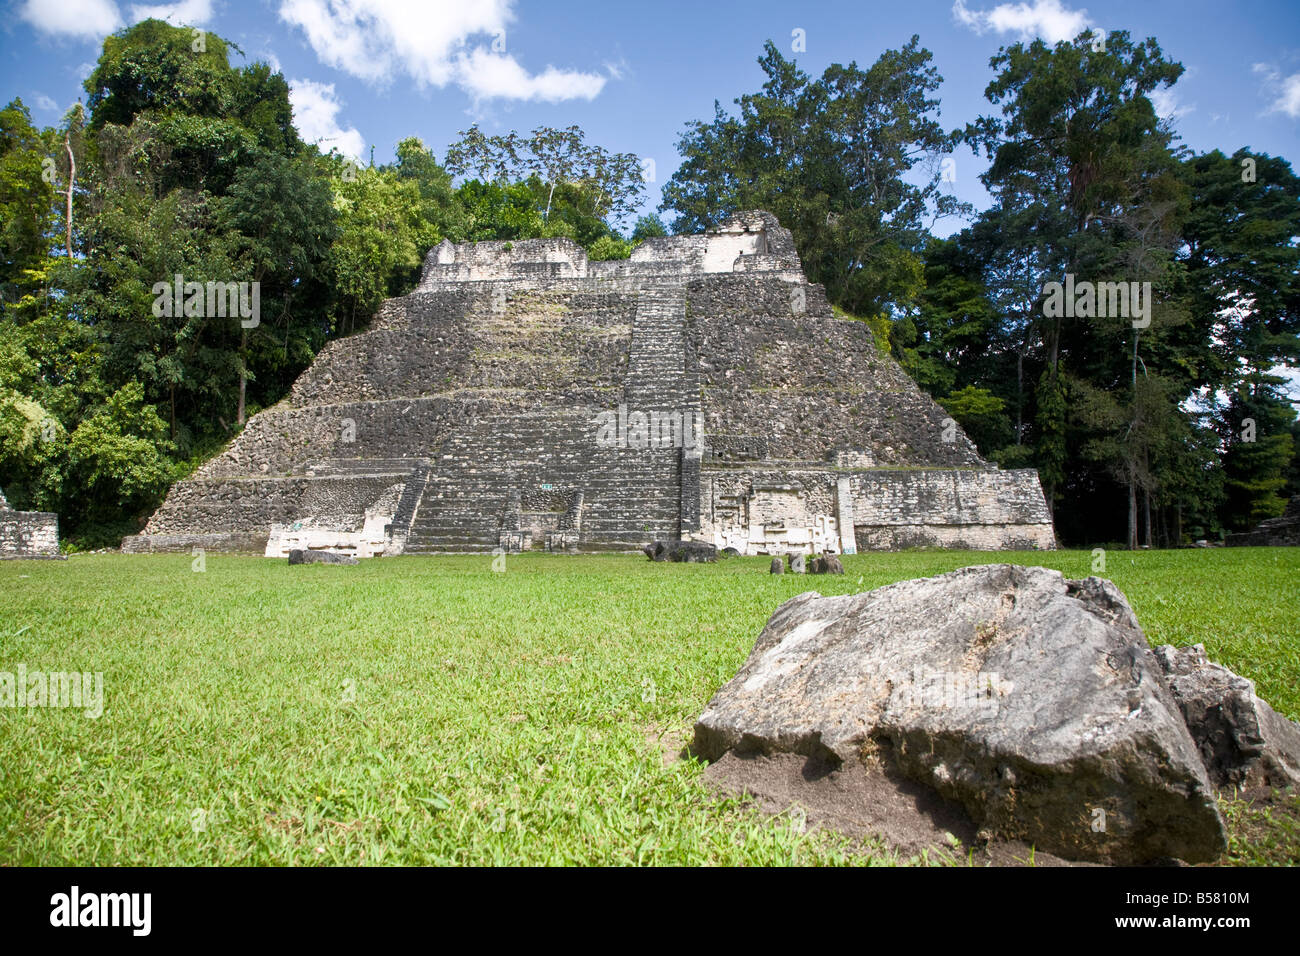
45, 103
491, 76
1167, 106
616, 70
95, 19
186, 12
191, 13
1041, 18
373, 39
435, 42
78, 19
1283, 92
316, 114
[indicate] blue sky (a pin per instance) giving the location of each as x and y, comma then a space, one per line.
370, 72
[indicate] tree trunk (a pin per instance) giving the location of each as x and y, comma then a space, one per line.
1146, 515
72, 176
243, 375
1020, 395
1132, 512
1134, 373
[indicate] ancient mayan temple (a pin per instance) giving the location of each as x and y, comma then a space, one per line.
523, 397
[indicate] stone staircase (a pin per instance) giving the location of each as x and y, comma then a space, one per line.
463, 499
467, 500
663, 375
627, 495
657, 365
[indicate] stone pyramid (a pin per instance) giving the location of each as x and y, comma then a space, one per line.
524, 397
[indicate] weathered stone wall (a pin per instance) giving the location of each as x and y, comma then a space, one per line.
634, 269
28, 534
750, 242
977, 509
283, 441
238, 505
773, 510
683, 252
628, 493
1280, 532
222, 541
808, 383
557, 258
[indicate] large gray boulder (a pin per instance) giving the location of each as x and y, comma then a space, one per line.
695, 552
656, 550
1031, 701
1243, 741
690, 552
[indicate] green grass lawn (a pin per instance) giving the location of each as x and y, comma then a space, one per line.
428, 710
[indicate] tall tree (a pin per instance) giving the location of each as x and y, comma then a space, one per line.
27, 178
1258, 449
280, 217
74, 124
1080, 174
836, 159
1242, 257
602, 184
1069, 149
378, 242
440, 215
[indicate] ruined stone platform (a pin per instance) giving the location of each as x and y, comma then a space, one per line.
1279, 532
524, 397
28, 534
